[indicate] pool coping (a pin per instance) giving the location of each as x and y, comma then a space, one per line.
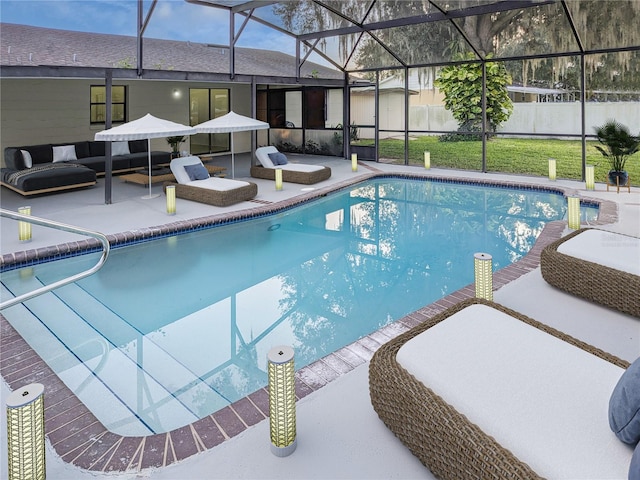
81, 439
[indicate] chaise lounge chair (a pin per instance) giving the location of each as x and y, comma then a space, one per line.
597, 265
480, 391
194, 183
291, 172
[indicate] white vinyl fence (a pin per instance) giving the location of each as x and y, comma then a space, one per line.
555, 119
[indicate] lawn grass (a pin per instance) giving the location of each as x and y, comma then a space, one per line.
508, 155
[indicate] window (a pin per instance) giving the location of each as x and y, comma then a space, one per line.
99, 106
315, 108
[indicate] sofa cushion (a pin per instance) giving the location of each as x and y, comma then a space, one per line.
82, 149
138, 146
120, 148
13, 159
64, 153
141, 160
624, 405
98, 163
96, 149
26, 158
39, 153
54, 176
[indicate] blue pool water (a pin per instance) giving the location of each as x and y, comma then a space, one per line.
174, 329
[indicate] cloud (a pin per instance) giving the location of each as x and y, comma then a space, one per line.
170, 20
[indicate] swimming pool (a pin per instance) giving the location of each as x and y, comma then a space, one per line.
174, 329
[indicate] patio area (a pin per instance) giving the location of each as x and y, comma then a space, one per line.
339, 434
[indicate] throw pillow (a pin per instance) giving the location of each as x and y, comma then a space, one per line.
64, 153
196, 171
26, 158
119, 148
278, 158
634, 468
624, 405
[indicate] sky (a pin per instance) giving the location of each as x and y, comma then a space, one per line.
171, 20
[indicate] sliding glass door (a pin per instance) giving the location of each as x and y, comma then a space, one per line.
205, 104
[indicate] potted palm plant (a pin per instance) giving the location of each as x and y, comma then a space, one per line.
617, 146
175, 145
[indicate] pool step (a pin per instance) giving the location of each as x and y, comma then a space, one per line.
104, 364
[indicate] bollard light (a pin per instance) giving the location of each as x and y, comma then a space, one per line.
354, 162
25, 433
278, 179
282, 401
483, 270
24, 228
589, 176
171, 199
552, 169
427, 160
573, 214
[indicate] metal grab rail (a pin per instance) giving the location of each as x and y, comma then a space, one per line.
58, 226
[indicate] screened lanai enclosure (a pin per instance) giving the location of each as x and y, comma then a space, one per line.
481, 84
484, 85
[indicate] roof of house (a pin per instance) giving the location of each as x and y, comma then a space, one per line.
24, 45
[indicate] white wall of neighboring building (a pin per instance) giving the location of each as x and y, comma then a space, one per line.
335, 108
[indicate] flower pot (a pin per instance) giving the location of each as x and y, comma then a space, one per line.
618, 177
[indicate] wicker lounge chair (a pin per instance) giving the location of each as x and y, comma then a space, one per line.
599, 266
291, 172
220, 192
452, 446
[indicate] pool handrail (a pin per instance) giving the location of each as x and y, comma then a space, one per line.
58, 226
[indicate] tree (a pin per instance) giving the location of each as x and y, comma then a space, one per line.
461, 85
532, 30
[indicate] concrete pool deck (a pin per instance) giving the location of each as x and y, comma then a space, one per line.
339, 435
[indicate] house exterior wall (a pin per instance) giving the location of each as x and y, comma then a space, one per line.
40, 111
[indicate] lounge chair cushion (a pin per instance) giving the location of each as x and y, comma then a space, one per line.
217, 183
540, 397
605, 248
262, 154
624, 406
597, 265
278, 158
301, 167
196, 172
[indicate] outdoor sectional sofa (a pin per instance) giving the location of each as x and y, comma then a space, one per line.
37, 169
481, 391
